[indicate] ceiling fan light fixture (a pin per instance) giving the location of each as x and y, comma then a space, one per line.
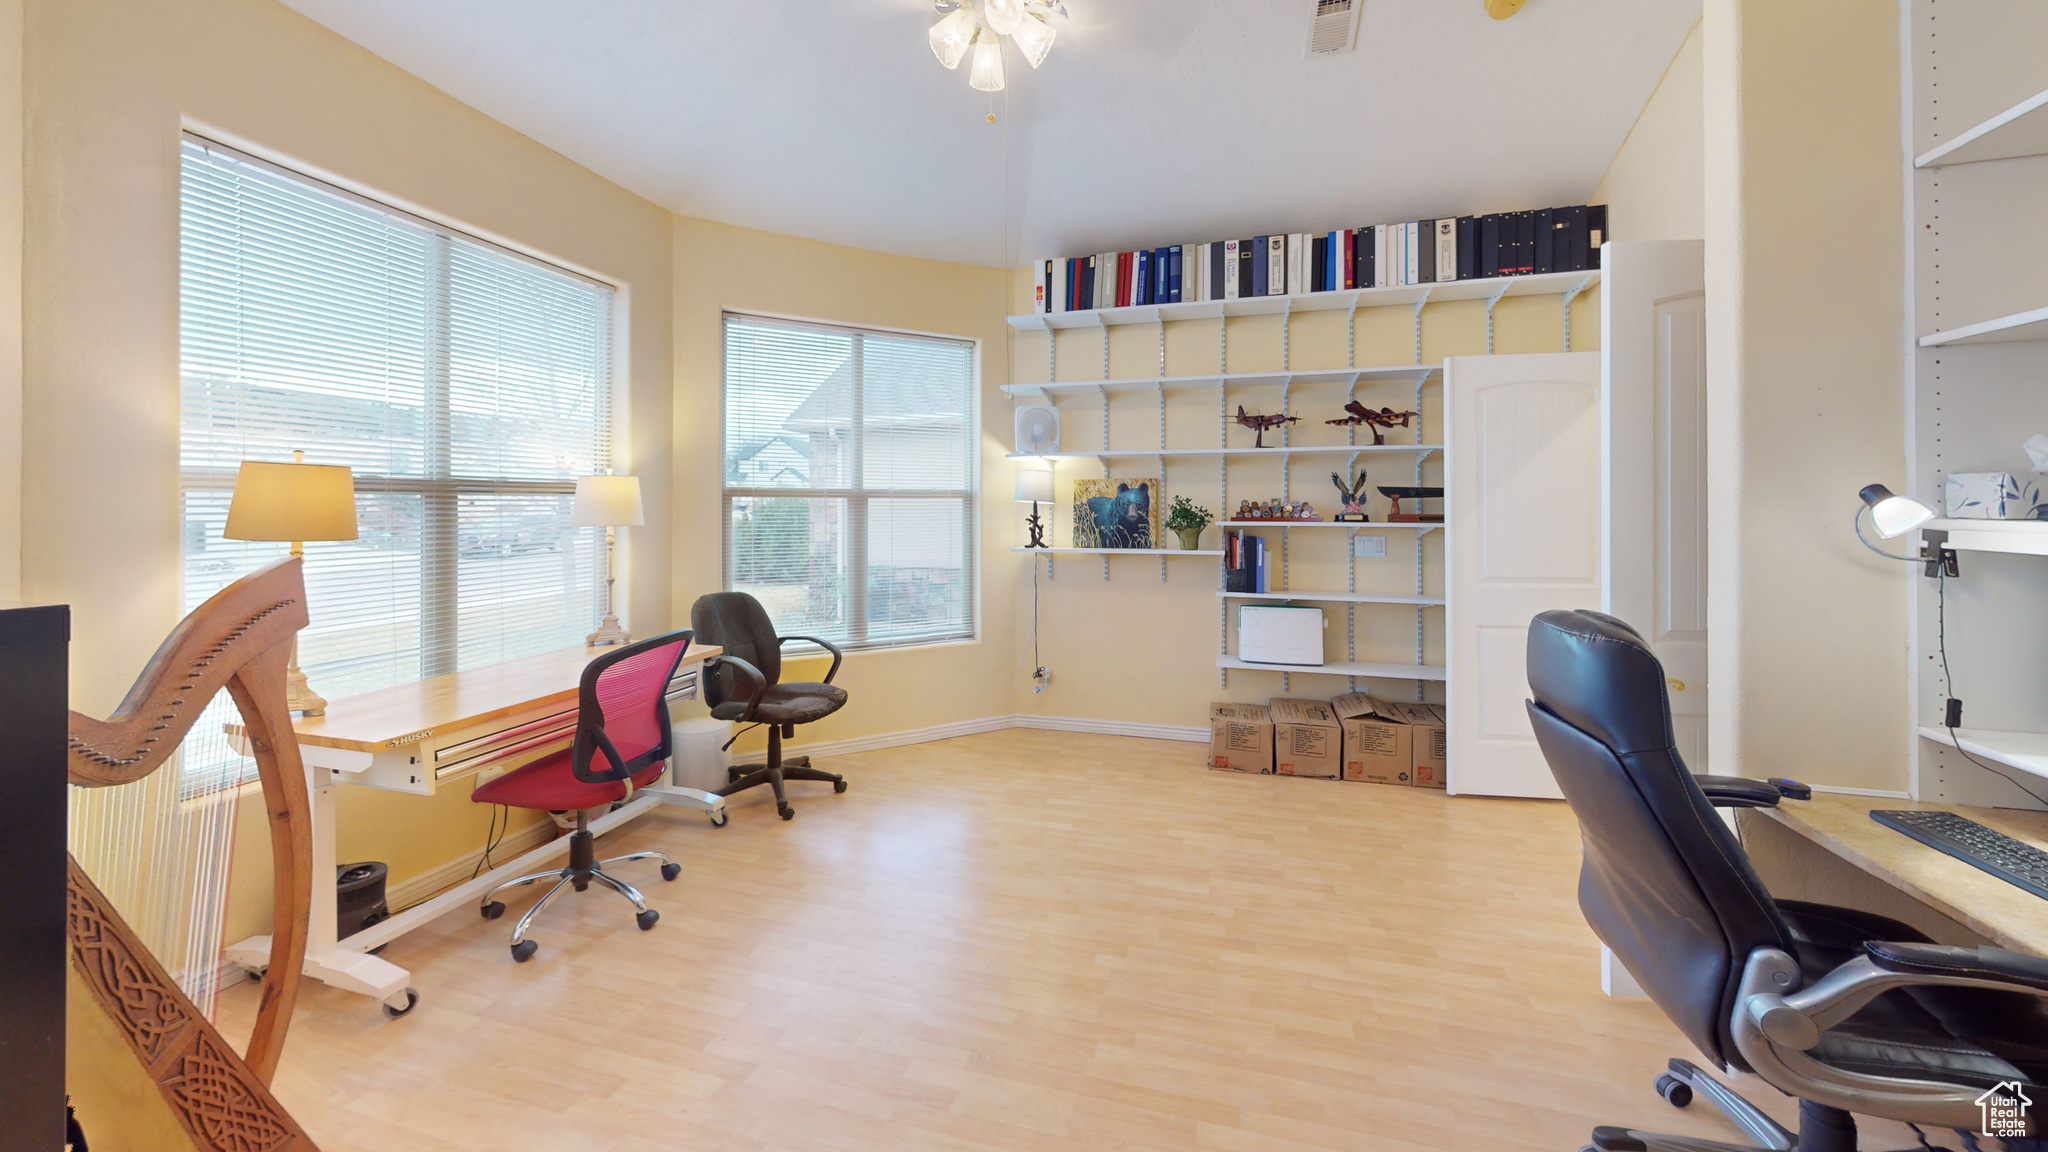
1034, 38
987, 74
1002, 16
951, 36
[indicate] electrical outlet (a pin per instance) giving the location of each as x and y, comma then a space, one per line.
1368, 545
489, 773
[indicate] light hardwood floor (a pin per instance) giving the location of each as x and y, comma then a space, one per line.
1028, 941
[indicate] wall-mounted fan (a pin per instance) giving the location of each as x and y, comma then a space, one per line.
1038, 429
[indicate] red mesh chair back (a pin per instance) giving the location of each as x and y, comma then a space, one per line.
622, 723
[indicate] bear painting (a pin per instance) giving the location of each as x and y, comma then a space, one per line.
1116, 514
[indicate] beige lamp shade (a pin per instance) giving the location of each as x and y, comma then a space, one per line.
606, 502
292, 502
1034, 485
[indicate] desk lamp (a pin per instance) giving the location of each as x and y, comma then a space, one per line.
293, 502
1034, 486
608, 502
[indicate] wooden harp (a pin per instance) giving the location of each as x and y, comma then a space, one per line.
239, 640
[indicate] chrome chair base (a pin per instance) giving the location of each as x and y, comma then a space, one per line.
583, 868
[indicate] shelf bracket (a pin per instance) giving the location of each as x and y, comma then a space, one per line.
1569, 296
1351, 337
1490, 302
1052, 355
1104, 325
1419, 302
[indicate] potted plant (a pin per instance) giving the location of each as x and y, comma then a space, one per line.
1187, 519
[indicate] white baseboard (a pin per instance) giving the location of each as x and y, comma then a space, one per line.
1112, 728
428, 884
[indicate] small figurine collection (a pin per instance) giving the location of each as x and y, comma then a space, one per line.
1356, 414
1354, 498
1297, 510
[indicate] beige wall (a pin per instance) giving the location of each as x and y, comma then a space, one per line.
11, 109
1805, 283
718, 268
1656, 187
110, 83
1133, 649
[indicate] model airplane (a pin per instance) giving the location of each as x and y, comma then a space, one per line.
1384, 418
1259, 424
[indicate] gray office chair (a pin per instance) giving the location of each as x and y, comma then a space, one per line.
745, 685
1848, 1011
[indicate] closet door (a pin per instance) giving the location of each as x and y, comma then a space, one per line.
1524, 509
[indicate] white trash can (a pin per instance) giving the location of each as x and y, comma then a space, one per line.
699, 760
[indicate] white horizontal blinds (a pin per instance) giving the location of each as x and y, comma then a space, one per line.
467, 388
855, 529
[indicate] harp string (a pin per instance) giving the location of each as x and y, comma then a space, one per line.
162, 850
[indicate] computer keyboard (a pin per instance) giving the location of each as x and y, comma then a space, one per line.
2012, 861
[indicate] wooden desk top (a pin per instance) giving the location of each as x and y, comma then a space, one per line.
2012, 916
404, 713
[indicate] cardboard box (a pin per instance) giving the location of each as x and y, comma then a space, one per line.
1307, 739
1430, 747
1391, 741
1377, 748
1241, 738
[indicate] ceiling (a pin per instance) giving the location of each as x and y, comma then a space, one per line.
1153, 121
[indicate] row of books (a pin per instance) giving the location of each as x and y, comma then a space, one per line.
1244, 563
1376, 256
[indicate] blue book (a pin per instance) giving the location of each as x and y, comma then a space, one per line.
1258, 266
1173, 282
1331, 281
1141, 276
1159, 275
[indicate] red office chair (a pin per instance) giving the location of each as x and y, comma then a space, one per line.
622, 743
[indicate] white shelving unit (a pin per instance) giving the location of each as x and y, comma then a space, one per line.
2027, 537
2026, 751
1162, 553
1285, 378
1977, 102
1212, 453
2029, 325
2021, 130
1549, 284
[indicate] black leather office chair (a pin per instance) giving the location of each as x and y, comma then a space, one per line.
745, 685
1848, 1011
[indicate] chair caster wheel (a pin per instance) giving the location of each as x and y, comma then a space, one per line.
839, 785
786, 812
720, 818
646, 919
671, 871
493, 910
524, 950
412, 1000
1674, 1091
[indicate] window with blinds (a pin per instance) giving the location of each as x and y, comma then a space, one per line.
467, 387
849, 480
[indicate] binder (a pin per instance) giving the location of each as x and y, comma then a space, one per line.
1543, 258
1425, 251
1087, 283
1251, 256
1348, 260
1175, 274
1295, 261
1596, 233
1364, 258
1525, 243
1447, 248
1468, 247
1411, 245
1383, 242
1260, 265
1489, 245
1218, 249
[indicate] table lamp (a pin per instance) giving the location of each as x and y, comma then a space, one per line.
1034, 486
293, 502
608, 502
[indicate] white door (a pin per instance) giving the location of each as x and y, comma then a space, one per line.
1654, 464
1523, 507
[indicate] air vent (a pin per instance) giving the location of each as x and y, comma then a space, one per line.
1332, 26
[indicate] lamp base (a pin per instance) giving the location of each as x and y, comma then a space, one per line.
299, 696
608, 632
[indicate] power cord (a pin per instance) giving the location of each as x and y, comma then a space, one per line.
1952, 712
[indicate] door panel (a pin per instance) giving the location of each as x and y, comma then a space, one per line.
1523, 488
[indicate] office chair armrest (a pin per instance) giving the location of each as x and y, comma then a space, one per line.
1774, 1030
760, 683
1738, 792
827, 645
1945, 960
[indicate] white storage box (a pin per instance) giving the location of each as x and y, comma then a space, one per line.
1280, 634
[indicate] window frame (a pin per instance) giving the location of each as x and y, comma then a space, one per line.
442, 491
969, 497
